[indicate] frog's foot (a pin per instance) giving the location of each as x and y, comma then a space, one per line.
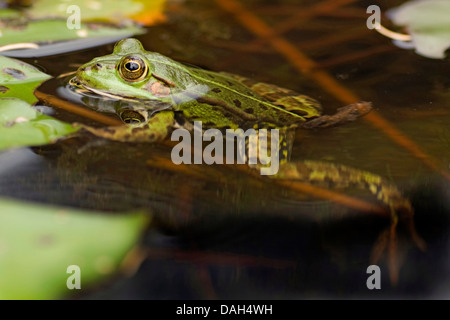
343, 114
336, 176
387, 241
156, 129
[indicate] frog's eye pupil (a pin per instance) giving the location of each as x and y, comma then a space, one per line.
133, 68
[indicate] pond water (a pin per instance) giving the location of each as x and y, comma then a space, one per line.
221, 232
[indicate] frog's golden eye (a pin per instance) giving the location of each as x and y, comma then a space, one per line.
133, 68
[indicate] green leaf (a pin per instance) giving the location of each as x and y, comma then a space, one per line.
57, 30
9, 14
38, 243
111, 10
428, 23
18, 79
23, 125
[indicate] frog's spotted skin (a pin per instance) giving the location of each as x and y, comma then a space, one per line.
287, 99
167, 94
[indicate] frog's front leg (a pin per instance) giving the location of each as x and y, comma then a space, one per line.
335, 176
156, 129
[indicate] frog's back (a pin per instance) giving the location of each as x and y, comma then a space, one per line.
250, 100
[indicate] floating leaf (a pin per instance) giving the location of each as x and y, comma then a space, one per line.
57, 30
18, 79
114, 11
151, 14
23, 125
428, 23
38, 243
9, 14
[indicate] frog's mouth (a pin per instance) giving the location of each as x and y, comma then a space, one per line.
81, 88
132, 111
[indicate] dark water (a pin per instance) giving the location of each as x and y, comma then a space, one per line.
221, 233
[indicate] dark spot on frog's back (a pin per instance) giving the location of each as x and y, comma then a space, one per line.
216, 90
3, 89
216, 109
17, 74
249, 110
263, 106
237, 103
136, 130
299, 112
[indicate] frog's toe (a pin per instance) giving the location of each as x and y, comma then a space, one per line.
388, 240
405, 213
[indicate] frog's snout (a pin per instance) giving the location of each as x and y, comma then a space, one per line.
88, 68
74, 82
94, 67
83, 69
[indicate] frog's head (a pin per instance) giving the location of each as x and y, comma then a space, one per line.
124, 73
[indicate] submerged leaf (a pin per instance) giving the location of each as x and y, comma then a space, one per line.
38, 243
18, 79
428, 23
23, 125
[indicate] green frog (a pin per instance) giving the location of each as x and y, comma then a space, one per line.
158, 95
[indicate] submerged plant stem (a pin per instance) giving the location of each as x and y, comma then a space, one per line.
73, 108
391, 34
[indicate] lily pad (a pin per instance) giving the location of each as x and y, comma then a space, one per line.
114, 11
56, 30
9, 14
38, 243
18, 79
22, 125
428, 23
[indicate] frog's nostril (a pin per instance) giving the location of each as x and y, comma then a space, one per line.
98, 65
